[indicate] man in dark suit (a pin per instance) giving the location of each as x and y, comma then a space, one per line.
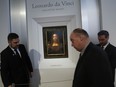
93, 68
103, 37
16, 66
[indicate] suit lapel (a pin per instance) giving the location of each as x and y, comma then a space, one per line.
10, 51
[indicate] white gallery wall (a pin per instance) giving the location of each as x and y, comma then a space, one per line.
90, 16
4, 26
54, 72
18, 19
4, 23
108, 18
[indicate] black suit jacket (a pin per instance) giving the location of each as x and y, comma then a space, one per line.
93, 69
14, 69
111, 52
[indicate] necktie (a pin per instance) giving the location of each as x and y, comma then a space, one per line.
16, 52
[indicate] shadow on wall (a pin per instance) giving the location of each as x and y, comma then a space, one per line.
0, 62
35, 58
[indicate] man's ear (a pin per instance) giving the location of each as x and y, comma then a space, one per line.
82, 37
108, 37
9, 41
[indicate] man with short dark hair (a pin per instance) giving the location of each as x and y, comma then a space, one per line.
16, 66
103, 37
93, 68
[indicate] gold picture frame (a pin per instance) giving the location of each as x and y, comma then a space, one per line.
55, 42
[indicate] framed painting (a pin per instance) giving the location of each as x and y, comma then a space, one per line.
55, 42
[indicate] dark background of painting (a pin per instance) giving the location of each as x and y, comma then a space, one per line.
62, 33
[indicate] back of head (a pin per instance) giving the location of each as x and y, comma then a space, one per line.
103, 32
79, 38
80, 32
12, 36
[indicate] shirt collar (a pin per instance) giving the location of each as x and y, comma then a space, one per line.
82, 52
106, 45
13, 48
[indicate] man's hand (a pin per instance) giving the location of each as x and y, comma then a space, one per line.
10, 86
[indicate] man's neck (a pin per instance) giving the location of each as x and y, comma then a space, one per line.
86, 44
